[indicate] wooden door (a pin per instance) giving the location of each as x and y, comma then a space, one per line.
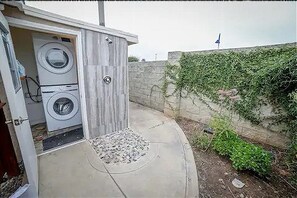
16, 100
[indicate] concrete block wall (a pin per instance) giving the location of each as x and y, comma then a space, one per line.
194, 109
144, 75
145, 81
172, 103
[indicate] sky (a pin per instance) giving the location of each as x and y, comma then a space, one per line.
188, 26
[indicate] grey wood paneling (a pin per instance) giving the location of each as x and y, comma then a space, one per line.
107, 104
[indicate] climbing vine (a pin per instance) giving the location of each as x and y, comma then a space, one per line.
262, 76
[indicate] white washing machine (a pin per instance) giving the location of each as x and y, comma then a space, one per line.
55, 59
61, 106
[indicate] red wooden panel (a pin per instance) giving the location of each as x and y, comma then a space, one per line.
2, 171
8, 161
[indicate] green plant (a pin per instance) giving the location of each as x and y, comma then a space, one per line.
246, 156
261, 76
225, 142
201, 141
292, 151
221, 124
292, 159
225, 137
133, 59
269, 73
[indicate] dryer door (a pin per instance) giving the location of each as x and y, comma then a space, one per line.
56, 58
62, 106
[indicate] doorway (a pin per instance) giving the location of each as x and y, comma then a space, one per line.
17, 106
12, 173
52, 99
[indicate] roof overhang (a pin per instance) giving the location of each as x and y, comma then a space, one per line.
34, 12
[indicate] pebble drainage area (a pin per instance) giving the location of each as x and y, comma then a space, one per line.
120, 147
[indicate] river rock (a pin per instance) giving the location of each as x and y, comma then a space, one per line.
237, 183
120, 147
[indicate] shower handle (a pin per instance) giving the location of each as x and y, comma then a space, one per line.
107, 79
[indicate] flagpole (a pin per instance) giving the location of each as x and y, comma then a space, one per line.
218, 41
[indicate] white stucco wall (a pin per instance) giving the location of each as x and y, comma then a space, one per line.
23, 47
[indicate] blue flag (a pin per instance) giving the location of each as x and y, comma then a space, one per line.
219, 39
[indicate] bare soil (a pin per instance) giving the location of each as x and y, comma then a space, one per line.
215, 173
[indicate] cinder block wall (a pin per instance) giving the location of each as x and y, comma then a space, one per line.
145, 82
192, 108
144, 77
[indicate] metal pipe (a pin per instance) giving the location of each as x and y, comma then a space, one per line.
101, 13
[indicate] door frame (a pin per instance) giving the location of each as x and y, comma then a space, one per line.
77, 34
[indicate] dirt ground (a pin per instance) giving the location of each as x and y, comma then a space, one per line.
215, 173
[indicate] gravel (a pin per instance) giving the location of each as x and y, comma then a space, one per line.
120, 147
9, 186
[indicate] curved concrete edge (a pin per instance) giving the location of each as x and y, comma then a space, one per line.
192, 189
93, 158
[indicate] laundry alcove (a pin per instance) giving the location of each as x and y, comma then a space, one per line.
104, 53
100, 53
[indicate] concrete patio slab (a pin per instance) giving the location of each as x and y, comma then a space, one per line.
67, 173
168, 169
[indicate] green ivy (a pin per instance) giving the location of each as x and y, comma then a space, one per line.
269, 73
263, 75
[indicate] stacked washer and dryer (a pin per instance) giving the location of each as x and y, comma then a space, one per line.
57, 71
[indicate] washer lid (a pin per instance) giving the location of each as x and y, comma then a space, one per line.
55, 57
62, 106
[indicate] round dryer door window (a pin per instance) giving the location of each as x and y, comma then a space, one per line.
56, 58
62, 106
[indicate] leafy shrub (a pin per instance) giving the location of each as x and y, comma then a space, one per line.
269, 73
225, 142
244, 156
225, 137
221, 124
133, 59
292, 159
201, 141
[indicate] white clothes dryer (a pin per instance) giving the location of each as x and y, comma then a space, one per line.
55, 59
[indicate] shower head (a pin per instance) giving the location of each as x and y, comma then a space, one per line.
108, 40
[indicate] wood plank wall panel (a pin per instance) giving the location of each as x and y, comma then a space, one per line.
107, 104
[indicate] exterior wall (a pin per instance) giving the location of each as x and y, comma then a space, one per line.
143, 76
107, 104
172, 104
145, 82
15, 13
192, 108
7, 114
